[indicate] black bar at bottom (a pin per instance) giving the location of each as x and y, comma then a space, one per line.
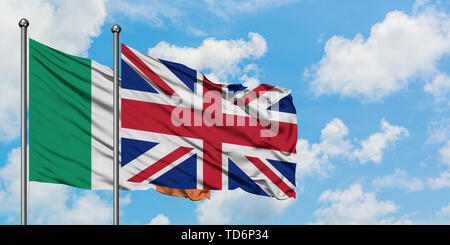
211, 234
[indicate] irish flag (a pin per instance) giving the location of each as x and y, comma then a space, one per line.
70, 120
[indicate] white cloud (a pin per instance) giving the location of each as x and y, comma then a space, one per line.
399, 180
160, 219
85, 208
66, 25
439, 86
444, 211
311, 160
227, 8
226, 207
402, 220
354, 206
332, 138
249, 81
250, 74
440, 182
10, 183
372, 148
386, 61
316, 158
49, 203
221, 58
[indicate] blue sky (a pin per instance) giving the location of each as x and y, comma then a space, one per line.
370, 82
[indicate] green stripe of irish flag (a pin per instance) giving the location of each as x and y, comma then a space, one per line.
60, 117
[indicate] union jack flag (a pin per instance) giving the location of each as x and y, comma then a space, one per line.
182, 131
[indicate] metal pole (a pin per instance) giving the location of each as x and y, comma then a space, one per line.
116, 30
23, 24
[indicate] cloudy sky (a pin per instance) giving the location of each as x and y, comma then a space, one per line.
370, 82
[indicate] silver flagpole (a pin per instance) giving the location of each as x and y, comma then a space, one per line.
23, 24
116, 30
